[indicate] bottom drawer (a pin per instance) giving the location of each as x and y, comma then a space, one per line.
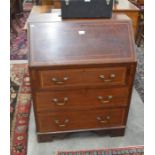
64, 121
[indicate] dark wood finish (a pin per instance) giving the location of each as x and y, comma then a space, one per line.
103, 34
85, 99
35, 72
67, 77
55, 122
113, 132
69, 93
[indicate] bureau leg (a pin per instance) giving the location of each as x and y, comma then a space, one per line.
102, 132
44, 138
50, 137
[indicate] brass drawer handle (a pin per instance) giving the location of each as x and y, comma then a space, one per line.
60, 103
103, 120
61, 125
59, 81
112, 76
105, 101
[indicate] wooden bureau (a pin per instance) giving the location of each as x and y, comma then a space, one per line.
82, 74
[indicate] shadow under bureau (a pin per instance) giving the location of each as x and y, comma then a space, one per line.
82, 74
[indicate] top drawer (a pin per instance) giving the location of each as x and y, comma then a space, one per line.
81, 77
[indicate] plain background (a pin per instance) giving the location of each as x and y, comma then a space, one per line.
149, 74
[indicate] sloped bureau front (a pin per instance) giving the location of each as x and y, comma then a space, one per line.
81, 68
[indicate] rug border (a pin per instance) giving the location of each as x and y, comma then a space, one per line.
15, 120
25, 71
115, 148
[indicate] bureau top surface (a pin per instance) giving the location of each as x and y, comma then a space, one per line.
80, 42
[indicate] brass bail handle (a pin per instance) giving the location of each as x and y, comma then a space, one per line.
59, 81
61, 125
105, 101
60, 103
112, 76
103, 120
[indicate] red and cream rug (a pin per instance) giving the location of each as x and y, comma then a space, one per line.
133, 150
20, 103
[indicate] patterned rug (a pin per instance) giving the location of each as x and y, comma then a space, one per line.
27, 6
20, 97
19, 48
135, 150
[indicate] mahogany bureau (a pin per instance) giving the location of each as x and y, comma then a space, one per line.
82, 74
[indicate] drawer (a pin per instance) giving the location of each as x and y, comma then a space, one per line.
81, 99
78, 120
85, 77
59, 78
106, 76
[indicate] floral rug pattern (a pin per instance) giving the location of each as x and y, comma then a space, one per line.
20, 104
17, 73
132, 150
14, 88
18, 48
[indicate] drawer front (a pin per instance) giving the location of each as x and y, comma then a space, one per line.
86, 77
81, 99
106, 76
80, 120
60, 78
